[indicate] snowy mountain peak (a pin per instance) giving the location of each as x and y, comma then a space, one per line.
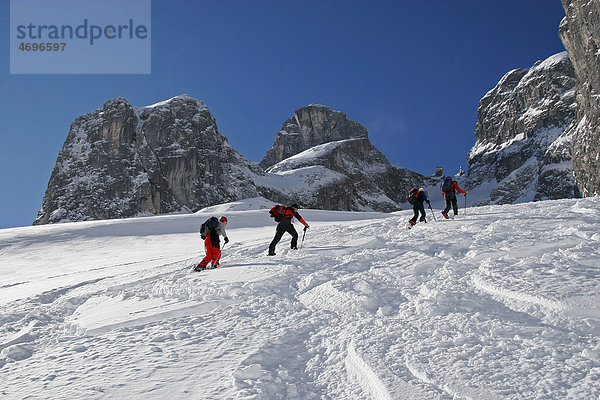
180, 98
552, 62
121, 161
522, 152
333, 156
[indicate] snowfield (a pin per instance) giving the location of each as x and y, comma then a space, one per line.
500, 303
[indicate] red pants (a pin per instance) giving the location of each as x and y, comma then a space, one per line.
213, 253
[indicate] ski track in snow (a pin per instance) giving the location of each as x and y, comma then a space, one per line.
501, 303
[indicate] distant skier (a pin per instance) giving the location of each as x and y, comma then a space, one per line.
210, 231
417, 197
283, 215
449, 188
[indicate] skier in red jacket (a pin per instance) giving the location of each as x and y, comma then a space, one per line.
449, 188
212, 244
285, 225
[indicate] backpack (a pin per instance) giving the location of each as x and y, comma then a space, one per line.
277, 212
412, 196
447, 185
208, 225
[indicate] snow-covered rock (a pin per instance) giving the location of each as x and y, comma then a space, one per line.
352, 174
523, 147
121, 161
580, 34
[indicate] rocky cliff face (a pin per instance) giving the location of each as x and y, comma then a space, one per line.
311, 126
523, 148
580, 33
121, 161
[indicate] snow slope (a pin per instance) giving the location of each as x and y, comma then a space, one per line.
500, 303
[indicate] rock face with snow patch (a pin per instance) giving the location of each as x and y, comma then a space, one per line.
580, 34
311, 126
347, 172
121, 161
523, 148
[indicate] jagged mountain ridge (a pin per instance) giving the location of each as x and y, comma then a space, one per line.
122, 161
523, 147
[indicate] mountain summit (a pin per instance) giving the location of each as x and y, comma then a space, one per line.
120, 161
320, 139
311, 126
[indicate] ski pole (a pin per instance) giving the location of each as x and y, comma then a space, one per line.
465, 204
432, 213
304, 234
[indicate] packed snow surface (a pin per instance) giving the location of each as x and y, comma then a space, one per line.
502, 302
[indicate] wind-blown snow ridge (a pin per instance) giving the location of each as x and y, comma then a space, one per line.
368, 379
164, 102
306, 155
500, 303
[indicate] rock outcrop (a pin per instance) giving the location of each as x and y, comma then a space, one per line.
121, 161
523, 148
580, 34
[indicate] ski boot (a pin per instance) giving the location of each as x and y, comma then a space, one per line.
199, 267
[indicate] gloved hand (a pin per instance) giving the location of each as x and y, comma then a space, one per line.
305, 228
226, 240
428, 202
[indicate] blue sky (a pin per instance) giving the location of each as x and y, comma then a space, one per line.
412, 72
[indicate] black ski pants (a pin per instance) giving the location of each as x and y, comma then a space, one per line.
451, 202
284, 226
418, 207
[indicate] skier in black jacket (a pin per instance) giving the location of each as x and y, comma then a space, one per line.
418, 207
449, 189
285, 225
